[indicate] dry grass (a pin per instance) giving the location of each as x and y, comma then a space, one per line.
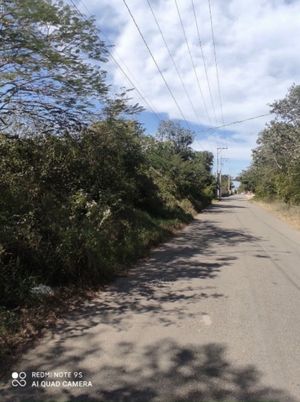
21, 327
287, 213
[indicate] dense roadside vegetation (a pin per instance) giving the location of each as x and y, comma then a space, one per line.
274, 174
83, 191
74, 208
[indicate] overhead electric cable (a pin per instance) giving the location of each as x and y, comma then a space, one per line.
155, 62
134, 86
172, 59
192, 61
236, 122
216, 62
82, 4
204, 62
142, 97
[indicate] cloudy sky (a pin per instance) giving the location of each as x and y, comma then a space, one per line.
257, 47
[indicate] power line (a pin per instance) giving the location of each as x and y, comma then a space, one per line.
75, 6
235, 122
86, 9
192, 60
155, 62
203, 59
142, 97
172, 59
135, 87
216, 63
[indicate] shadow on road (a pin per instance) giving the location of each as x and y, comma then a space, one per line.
168, 372
224, 207
159, 288
151, 287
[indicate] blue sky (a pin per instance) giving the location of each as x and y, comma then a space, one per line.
230, 165
257, 47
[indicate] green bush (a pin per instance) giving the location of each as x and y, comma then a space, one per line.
74, 208
275, 170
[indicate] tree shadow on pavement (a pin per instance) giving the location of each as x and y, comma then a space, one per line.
223, 208
163, 289
167, 372
163, 280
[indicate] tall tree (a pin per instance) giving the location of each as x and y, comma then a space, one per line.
180, 137
50, 65
275, 169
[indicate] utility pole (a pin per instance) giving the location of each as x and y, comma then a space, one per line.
219, 172
228, 176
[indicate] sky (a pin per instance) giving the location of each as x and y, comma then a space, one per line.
257, 50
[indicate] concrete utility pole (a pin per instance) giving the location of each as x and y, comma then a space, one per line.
219, 172
228, 177
229, 184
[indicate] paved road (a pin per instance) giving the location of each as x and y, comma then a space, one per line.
213, 315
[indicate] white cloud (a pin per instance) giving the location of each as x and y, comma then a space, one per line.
257, 43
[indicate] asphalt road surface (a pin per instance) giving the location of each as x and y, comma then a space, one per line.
212, 315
